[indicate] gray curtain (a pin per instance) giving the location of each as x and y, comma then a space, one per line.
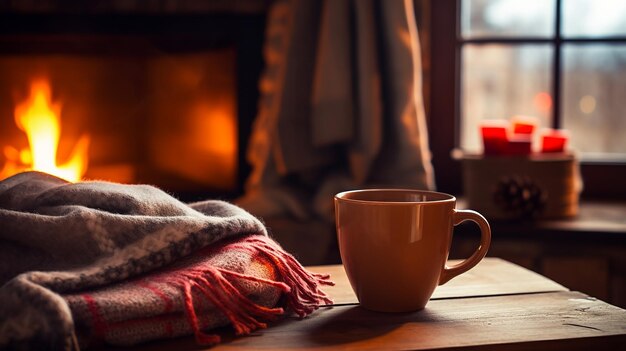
341, 106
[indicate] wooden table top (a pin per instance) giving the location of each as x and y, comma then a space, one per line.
492, 276
495, 306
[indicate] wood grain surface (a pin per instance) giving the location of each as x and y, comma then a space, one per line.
492, 276
541, 321
495, 306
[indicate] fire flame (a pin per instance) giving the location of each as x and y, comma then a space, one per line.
38, 117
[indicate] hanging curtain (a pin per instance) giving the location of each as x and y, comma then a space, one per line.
341, 106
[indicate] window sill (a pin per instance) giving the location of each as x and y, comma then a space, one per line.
597, 220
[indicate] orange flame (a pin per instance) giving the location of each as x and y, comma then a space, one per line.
38, 117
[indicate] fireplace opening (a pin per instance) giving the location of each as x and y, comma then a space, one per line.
164, 98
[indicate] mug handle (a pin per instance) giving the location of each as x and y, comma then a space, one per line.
485, 240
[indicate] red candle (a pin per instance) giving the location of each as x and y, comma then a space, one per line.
524, 124
519, 144
494, 139
554, 140
494, 133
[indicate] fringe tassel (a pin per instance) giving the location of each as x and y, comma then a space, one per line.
305, 295
300, 286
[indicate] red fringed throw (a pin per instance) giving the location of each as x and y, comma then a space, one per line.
100, 262
237, 283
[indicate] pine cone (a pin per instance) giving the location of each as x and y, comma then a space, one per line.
519, 196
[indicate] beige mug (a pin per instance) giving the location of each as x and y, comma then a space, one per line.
394, 245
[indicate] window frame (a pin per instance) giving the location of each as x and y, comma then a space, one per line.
603, 179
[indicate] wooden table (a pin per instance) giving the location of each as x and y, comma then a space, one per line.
495, 306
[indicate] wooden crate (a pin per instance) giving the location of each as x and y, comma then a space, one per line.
556, 176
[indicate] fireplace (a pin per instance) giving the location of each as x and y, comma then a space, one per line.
157, 95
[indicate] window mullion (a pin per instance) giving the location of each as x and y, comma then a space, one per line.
556, 68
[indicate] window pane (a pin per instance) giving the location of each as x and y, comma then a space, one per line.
593, 18
507, 18
594, 90
500, 81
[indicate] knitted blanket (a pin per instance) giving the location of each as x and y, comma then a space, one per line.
98, 262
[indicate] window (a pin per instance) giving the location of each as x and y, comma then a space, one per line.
562, 61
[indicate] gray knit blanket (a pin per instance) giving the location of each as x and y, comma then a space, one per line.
123, 264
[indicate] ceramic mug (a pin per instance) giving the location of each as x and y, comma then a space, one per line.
394, 244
